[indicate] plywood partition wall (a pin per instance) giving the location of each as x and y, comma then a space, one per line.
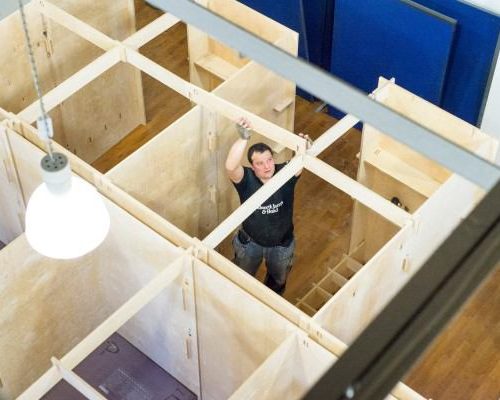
171, 174
12, 204
48, 306
437, 200
211, 62
87, 123
263, 93
288, 372
235, 333
166, 328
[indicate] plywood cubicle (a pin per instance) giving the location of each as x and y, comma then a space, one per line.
436, 199
160, 297
137, 278
213, 327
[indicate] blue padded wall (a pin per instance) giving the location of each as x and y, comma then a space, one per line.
471, 59
391, 38
319, 21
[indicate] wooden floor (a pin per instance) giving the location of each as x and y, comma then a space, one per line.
464, 363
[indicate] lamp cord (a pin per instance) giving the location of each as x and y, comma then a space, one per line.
36, 78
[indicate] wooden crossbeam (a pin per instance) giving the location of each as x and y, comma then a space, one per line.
160, 73
215, 103
77, 382
333, 134
217, 66
71, 85
150, 31
341, 127
76, 25
356, 190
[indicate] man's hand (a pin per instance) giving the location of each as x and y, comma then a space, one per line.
309, 141
244, 128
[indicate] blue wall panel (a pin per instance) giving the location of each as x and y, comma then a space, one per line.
391, 38
471, 59
319, 22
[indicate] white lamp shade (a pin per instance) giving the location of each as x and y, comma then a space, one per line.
66, 225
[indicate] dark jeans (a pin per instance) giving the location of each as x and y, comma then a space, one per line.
279, 259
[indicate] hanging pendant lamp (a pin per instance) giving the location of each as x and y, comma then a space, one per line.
65, 216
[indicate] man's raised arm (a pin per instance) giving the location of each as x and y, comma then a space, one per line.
233, 161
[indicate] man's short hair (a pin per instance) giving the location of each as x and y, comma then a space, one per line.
257, 148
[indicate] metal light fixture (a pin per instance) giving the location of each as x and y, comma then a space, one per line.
65, 217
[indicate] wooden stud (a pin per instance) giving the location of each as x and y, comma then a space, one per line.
74, 380
333, 134
356, 190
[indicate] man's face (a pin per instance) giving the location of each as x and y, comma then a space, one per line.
263, 165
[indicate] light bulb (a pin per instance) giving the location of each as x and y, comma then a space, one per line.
65, 216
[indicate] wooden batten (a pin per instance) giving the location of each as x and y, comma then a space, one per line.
239, 215
213, 102
151, 31
77, 382
357, 191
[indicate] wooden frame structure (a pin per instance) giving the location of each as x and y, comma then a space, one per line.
169, 274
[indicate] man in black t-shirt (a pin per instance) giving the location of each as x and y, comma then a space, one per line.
268, 232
